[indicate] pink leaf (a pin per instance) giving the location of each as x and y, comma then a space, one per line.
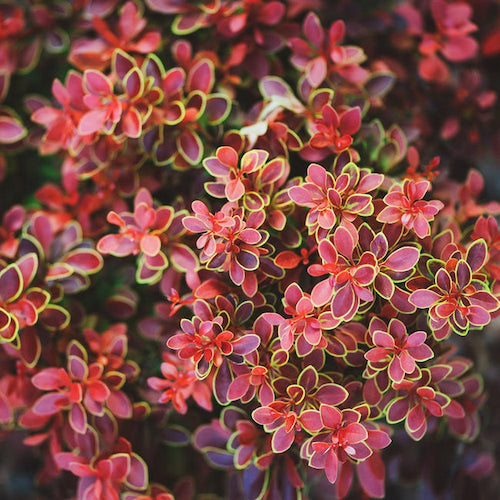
11, 283
424, 298
330, 416
201, 76
234, 190
322, 293
282, 440
300, 195
96, 83
92, 121
190, 146
246, 344
331, 466
47, 380
238, 388
416, 418
78, 418
398, 410
477, 255
138, 473
134, 84
331, 394
132, 123
11, 130
311, 420
460, 48
5, 410
343, 241
343, 301
316, 71
478, 316
371, 474
402, 259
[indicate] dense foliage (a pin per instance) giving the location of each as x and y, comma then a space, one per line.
242, 242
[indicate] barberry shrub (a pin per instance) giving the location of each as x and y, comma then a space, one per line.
228, 273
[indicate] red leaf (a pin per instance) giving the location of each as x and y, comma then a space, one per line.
491, 44
98, 391
287, 259
343, 241
460, 48
210, 289
97, 83
234, 190
350, 121
433, 69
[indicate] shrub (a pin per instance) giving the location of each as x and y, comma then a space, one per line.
232, 249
